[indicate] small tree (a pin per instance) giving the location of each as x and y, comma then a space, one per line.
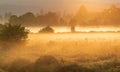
13, 33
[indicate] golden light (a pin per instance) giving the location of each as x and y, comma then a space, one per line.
78, 29
102, 29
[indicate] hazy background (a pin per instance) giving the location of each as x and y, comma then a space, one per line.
70, 6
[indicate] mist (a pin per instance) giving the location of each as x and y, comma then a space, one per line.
59, 36
76, 48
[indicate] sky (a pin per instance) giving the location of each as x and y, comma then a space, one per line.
70, 6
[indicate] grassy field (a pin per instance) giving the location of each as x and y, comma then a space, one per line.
64, 52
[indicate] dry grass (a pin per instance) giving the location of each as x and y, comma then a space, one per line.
86, 49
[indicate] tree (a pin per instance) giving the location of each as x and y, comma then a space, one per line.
14, 19
111, 16
82, 15
13, 33
51, 18
72, 24
82, 11
28, 19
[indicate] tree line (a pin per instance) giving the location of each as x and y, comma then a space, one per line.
107, 17
29, 19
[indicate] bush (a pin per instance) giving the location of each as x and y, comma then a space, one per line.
47, 29
13, 33
46, 64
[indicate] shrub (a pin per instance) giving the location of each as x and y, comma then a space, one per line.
13, 33
46, 64
47, 29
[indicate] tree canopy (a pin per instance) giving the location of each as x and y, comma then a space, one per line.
30, 19
107, 17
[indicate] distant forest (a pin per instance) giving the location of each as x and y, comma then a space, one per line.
107, 17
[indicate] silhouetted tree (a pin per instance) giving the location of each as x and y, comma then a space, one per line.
41, 20
73, 22
82, 15
62, 21
25, 19
28, 19
82, 11
47, 29
109, 17
13, 33
52, 18
14, 20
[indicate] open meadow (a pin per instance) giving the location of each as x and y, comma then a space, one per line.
97, 51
